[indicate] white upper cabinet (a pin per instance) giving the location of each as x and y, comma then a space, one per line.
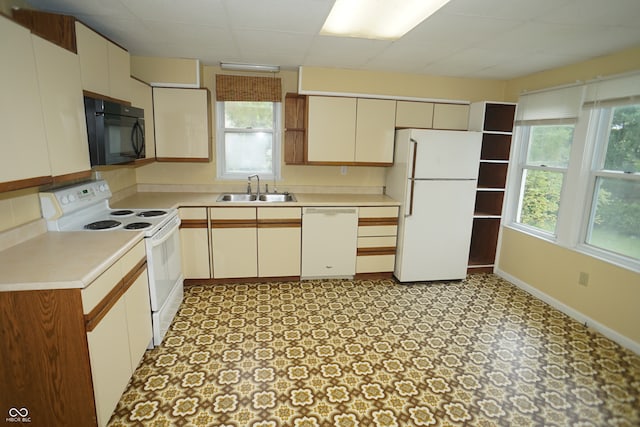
105, 66
331, 129
58, 72
345, 130
375, 130
413, 114
142, 97
181, 124
23, 143
451, 116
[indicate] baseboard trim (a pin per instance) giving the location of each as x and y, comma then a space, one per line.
573, 313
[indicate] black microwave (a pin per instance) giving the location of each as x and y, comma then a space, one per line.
115, 131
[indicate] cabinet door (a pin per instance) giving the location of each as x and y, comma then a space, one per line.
138, 307
195, 243
62, 107
234, 242
182, 124
23, 142
279, 246
375, 130
94, 63
142, 97
110, 360
410, 114
331, 129
119, 72
450, 116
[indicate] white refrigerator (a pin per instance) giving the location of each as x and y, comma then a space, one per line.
434, 175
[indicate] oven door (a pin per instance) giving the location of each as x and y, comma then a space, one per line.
164, 264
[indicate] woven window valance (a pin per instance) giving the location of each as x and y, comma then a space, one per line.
248, 88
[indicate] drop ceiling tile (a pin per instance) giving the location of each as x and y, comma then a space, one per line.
596, 13
196, 12
298, 16
504, 9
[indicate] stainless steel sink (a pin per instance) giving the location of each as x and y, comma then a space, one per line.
237, 197
277, 197
269, 198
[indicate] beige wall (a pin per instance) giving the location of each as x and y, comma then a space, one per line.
19, 207
319, 79
617, 63
612, 296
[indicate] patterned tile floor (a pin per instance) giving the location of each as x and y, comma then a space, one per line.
377, 353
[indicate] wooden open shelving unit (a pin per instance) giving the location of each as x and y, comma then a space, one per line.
295, 132
495, 121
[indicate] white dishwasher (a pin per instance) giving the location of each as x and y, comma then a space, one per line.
329, 242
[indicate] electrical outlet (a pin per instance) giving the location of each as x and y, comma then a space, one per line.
343, 170
583, 279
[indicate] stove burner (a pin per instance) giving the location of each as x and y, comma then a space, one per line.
102, 225
123, 212
147, 214
137, 225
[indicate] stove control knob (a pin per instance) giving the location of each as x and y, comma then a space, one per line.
72, 198
102, 188
64, 200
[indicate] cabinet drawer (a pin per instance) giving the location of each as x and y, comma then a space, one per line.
378, 212
375, 264
279, 213
193, 213
377, 230
233, 213
377, 242
100, 288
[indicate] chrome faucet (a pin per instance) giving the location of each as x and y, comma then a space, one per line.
249, 185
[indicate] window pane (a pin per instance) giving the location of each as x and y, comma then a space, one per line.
540, 199
623, 149
615, 224
249, 153
550, 145
248, 115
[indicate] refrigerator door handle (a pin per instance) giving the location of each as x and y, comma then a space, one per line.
413, 175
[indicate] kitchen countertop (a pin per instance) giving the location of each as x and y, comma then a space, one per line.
62, 260
179, 199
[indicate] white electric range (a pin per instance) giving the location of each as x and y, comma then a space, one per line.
85, 207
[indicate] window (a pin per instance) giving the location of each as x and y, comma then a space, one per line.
614, 217
577, 180
545, 165
248, 139
248, 135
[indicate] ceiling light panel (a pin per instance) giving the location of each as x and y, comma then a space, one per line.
378, 19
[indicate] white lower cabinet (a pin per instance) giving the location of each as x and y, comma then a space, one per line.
279, 234
118, 312
194, 237
234, 244
377, 231
110, 360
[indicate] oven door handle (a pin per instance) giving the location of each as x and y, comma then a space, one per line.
165, 233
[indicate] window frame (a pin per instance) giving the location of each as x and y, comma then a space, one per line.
577, 198
221, 131
523, 139
598, 138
